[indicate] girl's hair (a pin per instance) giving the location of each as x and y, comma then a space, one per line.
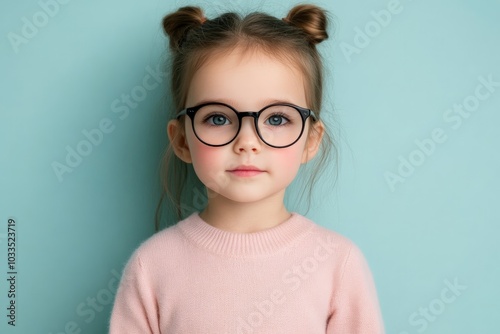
194, 39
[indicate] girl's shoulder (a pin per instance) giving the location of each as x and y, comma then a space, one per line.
163, 239
341, 250
325, 234
161, 245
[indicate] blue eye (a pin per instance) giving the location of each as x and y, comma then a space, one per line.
276, 120
217, 120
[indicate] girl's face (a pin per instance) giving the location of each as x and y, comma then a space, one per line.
247, 82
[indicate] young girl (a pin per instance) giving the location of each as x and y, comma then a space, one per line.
248, 97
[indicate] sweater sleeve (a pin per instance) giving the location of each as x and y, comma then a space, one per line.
354, 306
135, 309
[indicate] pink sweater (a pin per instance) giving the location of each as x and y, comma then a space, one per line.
297, 277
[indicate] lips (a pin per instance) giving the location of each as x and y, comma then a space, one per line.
246, 168
246, 171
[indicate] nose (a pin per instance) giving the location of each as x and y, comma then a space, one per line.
247, 140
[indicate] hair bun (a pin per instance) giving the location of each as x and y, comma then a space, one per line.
176, 25
311, 19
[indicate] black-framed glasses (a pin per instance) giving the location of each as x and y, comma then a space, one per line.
278, 125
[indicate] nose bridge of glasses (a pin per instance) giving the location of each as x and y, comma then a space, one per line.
250, 114
253, 114
251, 126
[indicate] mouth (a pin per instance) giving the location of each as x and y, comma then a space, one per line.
246, 171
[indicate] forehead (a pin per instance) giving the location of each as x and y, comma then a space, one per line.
246, 78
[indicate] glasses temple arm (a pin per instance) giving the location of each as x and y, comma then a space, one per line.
180, 113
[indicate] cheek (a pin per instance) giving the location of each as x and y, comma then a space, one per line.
201, 154
289, 158
208, 164
206, 160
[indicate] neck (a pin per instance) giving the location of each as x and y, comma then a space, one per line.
250, 217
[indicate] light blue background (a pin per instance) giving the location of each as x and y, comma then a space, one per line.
440, 225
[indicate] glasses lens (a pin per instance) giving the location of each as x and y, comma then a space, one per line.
280, 125
215, 124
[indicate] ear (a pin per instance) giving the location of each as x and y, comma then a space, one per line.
313, 141
177, 137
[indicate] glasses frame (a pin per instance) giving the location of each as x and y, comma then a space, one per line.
304, 113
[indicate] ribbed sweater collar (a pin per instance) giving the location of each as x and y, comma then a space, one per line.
235, 244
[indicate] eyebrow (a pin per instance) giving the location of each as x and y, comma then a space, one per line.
234, 102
